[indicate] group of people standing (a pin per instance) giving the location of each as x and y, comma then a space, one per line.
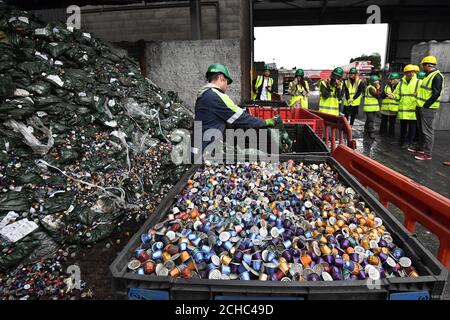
413, 98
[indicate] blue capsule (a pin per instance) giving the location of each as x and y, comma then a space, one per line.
248, 258
228, 245
156, 255
244, 276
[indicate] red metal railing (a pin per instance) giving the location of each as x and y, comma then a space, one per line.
336, 127
418, 203
289, 116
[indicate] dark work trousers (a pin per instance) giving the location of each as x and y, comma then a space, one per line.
369, 127
425, 121
350, 114
407, 131
388, 124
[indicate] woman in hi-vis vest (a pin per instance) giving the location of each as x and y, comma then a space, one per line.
262, 86
299, 91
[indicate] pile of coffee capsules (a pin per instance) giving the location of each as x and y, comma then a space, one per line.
270, 222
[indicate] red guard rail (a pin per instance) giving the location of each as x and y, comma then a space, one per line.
418, 203
333, 124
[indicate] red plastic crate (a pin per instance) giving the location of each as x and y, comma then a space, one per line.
289, 116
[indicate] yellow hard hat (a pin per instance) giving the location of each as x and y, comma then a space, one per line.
430, 60
411, 67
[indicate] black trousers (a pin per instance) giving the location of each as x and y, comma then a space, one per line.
388, 124
407, 131
350, 113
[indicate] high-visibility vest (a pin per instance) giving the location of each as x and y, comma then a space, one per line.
371, 103
406, 95
426, 91
329, 105
298, 97
352, 89
389, 104
259, 83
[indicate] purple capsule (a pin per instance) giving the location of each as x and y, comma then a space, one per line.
345, 243
383, 257
362, 275
257, 256
338, 262
295, 252
234, 268
299, 232
354, 257
382, 244
364, 263
287, 224
287, 255
329, 258
312, 255
313, 277
337, 276
312, 264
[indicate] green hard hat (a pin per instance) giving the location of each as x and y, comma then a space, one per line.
353, 71
374, 79
421, 75
395, 76
219, 68
300, 73
339, 72
266, 67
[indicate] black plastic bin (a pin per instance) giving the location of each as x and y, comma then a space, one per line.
430, 285
305, 141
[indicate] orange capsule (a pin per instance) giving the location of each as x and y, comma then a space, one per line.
340, 223
346, 257
186, 273
329, 230
306, 260
175, 273
191, 266
362, 222
184, 256
193, 214
356, 270
334, 251
350, 250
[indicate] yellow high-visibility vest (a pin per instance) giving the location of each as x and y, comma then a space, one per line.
389, 104
329, 105
259, 83
298, 97
406, 93
371, 103
352, 89
426, 91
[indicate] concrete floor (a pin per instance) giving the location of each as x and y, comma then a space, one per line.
432, 174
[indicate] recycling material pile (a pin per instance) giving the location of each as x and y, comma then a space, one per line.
270, 222
85, 144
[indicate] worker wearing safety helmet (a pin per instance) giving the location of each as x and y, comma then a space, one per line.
262, 86
353, 89
406, 94
299, 91
214, 109
372, 105
428, 104
331, 91
389, 107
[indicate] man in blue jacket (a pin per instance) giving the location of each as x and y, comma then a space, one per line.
215, 110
